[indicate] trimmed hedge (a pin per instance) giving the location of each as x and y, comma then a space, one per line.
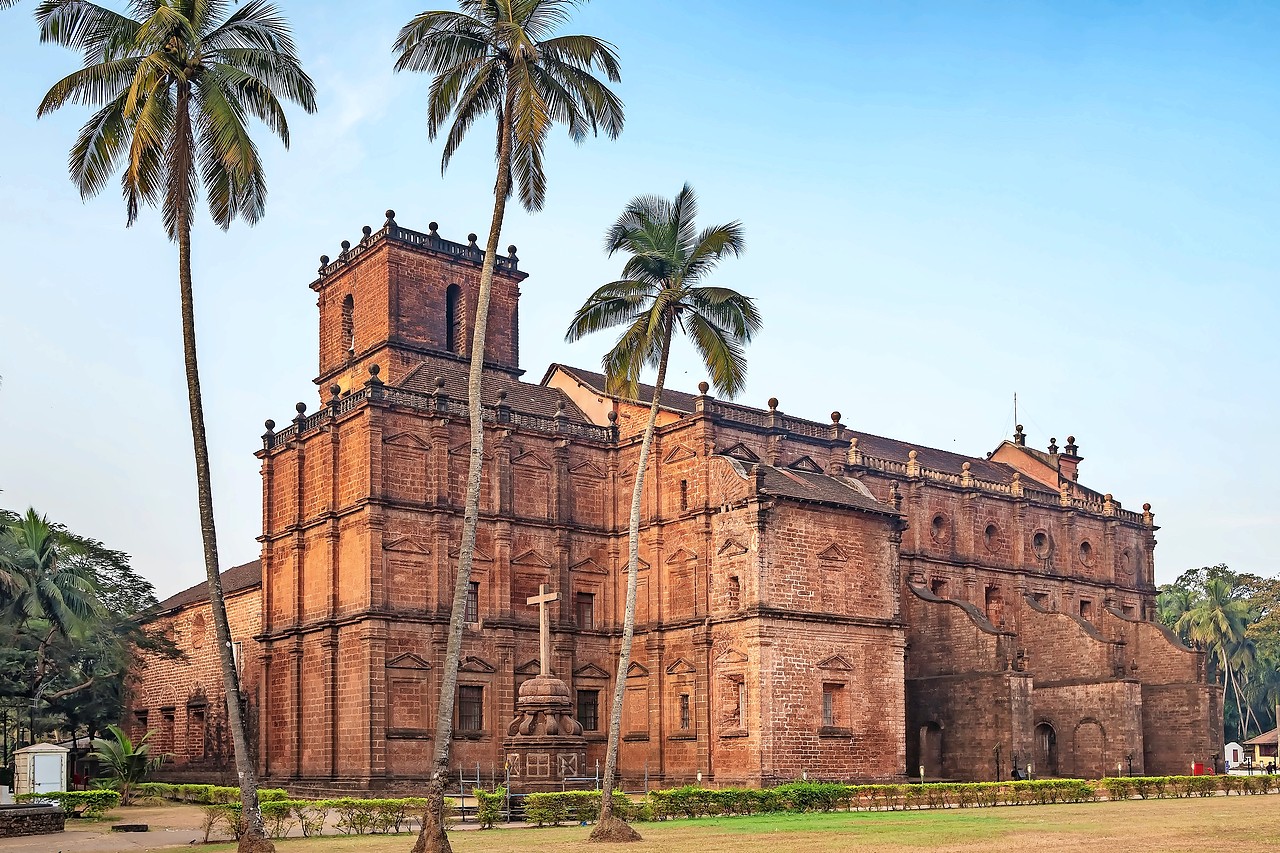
352, 816
91, 804
557, 807
203, 795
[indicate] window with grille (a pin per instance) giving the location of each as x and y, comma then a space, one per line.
685, 716
473, 603
589, 710
470, 708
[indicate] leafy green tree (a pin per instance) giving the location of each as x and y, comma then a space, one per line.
499, 57
661, 291
175, 84
70, 672
127, 763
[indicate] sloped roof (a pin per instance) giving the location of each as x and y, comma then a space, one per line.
235, 579
1264, 739
807, 486
521, 396
872, 445
676, 401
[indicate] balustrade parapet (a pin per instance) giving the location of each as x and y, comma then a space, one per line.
558, 424
431, 240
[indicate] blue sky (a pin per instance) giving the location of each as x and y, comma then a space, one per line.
945, 203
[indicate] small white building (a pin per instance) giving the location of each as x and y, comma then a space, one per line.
40, 768
1234, 754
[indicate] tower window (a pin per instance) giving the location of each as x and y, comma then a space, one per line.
454, 333
349, 322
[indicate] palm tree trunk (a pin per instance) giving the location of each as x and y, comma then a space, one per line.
433, 838
633, 562
253, 839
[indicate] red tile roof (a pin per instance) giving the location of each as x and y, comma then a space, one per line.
236, 579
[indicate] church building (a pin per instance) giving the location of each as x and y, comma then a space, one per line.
812, 600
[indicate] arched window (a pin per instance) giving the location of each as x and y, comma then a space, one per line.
349, 322
453, 330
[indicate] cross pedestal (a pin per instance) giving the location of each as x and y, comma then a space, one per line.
544, 743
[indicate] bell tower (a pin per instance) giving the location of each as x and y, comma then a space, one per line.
398, 297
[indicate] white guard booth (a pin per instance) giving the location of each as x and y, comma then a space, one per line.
40, 768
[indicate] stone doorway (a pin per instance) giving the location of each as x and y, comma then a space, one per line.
931, 750
1046, 763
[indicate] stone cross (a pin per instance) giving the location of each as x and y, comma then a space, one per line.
542, 599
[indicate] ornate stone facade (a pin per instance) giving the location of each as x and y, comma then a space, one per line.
812, 599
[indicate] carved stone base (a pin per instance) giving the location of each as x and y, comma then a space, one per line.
544, 744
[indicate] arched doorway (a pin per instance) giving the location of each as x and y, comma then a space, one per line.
1090, 750
931, 750
1046, 761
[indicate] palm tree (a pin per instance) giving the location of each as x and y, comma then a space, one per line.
1217, 621
499, 57
126, 762
175, 86
1172, 602
49, 595
660, 291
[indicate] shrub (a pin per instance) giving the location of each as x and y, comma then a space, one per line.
489, 806
87, 804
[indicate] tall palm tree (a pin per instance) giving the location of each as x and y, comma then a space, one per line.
660, 292
1217, 621
175, 83
499, 57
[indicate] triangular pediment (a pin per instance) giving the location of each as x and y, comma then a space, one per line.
529, 667
731, 656
531, 558
408, 660
680, 667
531, 460
589, 566
804, 463
740, 451
679, 453
835, 662
637, 671
407, 439
833, 553
405, 544
732, 548
590, 671
681, 555
474, 664
587, 469
465, 450
477, 556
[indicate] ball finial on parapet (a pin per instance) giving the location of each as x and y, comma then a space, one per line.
773, 404
703, 387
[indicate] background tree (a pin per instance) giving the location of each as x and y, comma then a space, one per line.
68, 643
174, 86
659, 293
499, 57
1235, 618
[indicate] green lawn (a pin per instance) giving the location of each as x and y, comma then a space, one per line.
1151, 826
